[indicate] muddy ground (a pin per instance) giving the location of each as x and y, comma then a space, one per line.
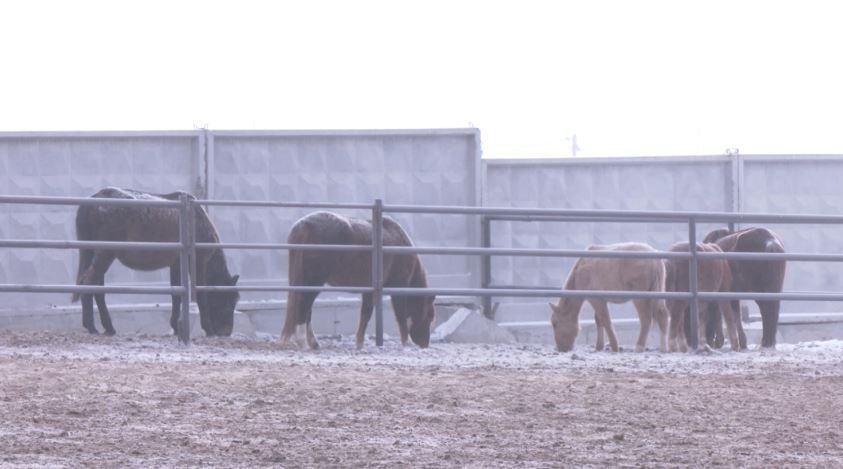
74, 400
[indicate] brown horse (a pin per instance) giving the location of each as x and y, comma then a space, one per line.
611, 273
713, 275
151, 224
353, 269
751, 276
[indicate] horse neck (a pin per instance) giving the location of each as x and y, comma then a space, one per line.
570, 284
217, 267
206, 232
419, 277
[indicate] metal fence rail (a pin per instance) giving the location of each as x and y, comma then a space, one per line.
187, 247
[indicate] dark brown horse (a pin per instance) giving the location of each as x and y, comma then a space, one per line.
353, 269
751, 276
713, 275
151, 224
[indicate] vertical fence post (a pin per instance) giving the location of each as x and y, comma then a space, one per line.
693, 320
377, 268
486, 265
184, 267
191, 250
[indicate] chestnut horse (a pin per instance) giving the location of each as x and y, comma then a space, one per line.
713, 275
151, 224
611, 273
353, 269
751, 276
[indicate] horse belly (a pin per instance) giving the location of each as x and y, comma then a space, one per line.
148, 260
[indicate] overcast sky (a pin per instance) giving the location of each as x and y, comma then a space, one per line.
627, 77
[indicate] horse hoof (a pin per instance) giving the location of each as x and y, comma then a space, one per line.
639, 348
93, 331
110, 332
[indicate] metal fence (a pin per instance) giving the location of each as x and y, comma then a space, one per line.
187, 248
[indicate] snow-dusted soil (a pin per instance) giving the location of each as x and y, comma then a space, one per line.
71, 400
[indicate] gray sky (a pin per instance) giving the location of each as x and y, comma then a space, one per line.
628, 77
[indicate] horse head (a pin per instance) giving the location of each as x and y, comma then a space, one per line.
220, 304
421, 314
564, 318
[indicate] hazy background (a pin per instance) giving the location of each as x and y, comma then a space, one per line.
628, 78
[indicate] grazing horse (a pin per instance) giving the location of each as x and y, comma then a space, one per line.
353, 269
751, 276
151, 224
611, 273
713, 275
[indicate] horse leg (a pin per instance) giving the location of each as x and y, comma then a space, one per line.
645, 317
311, 337
662, 319
366, 307
175, 281
299, 308
105, 317
602, 310
703, 315
714, 327
731, 319
598, 326
677, 340
95, 275
769, 322
88, 313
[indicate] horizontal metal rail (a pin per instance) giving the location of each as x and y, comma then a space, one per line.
578, 219
275, 204
256, 288
601, 215
95, 201
295, 247
170, 246
531, 292
94, 289
104, 245
533, 252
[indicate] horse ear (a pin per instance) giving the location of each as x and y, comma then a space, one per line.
234, 279
554, 308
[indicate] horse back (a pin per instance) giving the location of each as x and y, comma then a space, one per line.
603, 273
348, 268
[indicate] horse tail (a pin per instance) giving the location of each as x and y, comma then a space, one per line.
84, 232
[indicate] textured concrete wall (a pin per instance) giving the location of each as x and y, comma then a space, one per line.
801, 184
609, 184
79, 164
413, 167
428, 168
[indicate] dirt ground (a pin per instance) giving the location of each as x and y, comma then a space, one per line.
74, 400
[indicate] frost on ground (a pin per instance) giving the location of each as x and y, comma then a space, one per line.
144, 401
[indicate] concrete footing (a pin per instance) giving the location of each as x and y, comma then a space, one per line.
457, 320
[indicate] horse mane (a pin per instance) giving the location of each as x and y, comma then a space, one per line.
570, 282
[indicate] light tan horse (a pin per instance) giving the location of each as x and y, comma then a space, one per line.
713, 275
611, 273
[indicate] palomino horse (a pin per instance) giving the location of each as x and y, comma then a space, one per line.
353, 269
151, 224
611, 273
712, 276
751, 276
